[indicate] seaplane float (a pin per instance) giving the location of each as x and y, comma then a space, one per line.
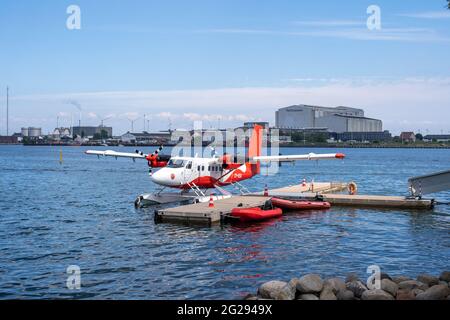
194, 177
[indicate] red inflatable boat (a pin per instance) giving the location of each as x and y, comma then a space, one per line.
300, 205
255, 214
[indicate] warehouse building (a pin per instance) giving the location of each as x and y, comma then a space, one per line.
339, 119
383, 136
89, 132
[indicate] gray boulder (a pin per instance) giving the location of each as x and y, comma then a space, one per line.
352, 277
327, 294
445, 276
384, 275
417, 291
278, 290
308, 296
376, 294
412, 284
336, 284
429, 280
389, 286
357, 287
345, 295
310, 283
437, 292
405, 295
399, 279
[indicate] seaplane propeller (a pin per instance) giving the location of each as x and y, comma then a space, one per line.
156, 160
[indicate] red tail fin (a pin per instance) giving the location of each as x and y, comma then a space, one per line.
255, 146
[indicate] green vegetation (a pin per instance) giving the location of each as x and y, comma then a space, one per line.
309, 137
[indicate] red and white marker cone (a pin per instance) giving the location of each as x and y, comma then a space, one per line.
211, 201
304, 183
266, 191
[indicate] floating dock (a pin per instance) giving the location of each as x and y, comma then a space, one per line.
316, 187
202, 213
326, 192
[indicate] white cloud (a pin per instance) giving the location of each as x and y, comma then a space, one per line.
427, 15
330, 23
392, 100
361, 34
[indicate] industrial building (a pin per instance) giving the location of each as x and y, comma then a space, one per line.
146, 137
383, 136
31, 132
340, 119
84, 131
437, 138
249, 125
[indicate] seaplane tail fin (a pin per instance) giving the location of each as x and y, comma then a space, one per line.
254, 148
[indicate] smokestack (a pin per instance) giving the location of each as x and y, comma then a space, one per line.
7, 111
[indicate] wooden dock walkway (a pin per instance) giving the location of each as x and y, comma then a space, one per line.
326, 191
320, 187
202, 213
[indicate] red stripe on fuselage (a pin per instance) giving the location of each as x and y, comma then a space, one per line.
235, 176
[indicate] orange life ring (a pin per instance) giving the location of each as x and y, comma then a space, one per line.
352, 188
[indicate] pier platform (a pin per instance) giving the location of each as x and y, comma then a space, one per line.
327, 192
202, 213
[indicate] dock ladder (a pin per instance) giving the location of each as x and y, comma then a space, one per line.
241, 188
196, 189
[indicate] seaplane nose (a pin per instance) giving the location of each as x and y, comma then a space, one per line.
158, 177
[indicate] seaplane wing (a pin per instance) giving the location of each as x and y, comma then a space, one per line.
295, 157
111, 153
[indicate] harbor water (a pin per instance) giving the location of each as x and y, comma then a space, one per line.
81, 213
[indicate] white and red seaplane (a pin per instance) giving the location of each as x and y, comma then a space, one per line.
193, 176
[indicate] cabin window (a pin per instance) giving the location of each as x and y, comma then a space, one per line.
189, 165
198, 168
209, 168
203, 168
175, 163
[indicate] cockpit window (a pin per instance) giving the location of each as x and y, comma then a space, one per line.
176, 163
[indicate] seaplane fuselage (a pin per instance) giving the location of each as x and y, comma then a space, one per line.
186, 172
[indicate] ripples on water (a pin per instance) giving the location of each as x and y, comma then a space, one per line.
82, 213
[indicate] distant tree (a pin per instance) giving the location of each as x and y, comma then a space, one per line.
448, 4
104, 134
419, 136
97, 136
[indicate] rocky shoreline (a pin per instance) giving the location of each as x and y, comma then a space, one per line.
313, 287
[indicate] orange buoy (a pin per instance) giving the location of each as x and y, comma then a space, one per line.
352, 188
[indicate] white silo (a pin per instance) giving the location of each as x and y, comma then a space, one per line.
34, 132
24, 132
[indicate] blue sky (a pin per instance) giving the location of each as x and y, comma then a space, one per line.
180, 61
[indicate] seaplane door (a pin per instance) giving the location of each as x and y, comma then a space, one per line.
187, 172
